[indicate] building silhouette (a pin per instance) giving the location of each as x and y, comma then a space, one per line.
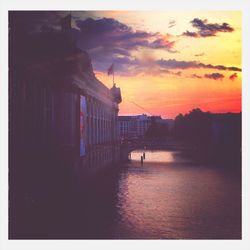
56, 102
62, 120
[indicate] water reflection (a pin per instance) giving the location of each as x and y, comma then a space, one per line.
168, 197
164, 198
152, 156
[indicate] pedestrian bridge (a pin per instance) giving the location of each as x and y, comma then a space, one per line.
154, 144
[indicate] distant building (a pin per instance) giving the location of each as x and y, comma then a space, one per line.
133, 126
136, 126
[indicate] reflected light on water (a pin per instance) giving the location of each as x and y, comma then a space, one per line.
152, 156
172, 199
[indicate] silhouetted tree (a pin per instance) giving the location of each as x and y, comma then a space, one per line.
217, 136
157, 130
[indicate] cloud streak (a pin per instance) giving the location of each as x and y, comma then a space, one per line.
196, 76
205, 29
233, 76
200, 54
214, 76
174, 64
171, 23
130, 67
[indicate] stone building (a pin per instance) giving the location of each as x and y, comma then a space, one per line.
62, 128
61, 116
136, 126
133, 126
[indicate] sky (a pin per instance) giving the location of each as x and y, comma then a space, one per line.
165, 63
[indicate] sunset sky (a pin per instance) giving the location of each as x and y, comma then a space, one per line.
166, 62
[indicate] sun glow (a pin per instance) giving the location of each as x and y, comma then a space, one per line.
175, 89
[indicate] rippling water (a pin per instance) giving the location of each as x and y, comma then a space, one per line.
170, 197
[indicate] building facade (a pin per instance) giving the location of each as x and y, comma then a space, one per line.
59, 111
62, 128
133, 127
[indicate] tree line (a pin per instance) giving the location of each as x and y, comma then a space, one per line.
216, 137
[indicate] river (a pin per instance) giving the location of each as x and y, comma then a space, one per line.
171, 197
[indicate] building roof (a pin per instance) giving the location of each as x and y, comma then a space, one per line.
55, 54
126, 118
134, 117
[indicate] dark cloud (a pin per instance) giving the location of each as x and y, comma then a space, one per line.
191, 34
169, 72
220, 67
214, 76
196, 76
171, 23
136, 66
174, 64
108, 40
200, 54
108, 32
179, 73
206, 29
162, 43
233, 76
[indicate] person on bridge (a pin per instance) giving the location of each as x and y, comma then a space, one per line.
142, 160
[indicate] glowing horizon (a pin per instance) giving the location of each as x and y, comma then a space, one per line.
181, 89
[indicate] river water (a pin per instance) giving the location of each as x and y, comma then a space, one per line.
171, 197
